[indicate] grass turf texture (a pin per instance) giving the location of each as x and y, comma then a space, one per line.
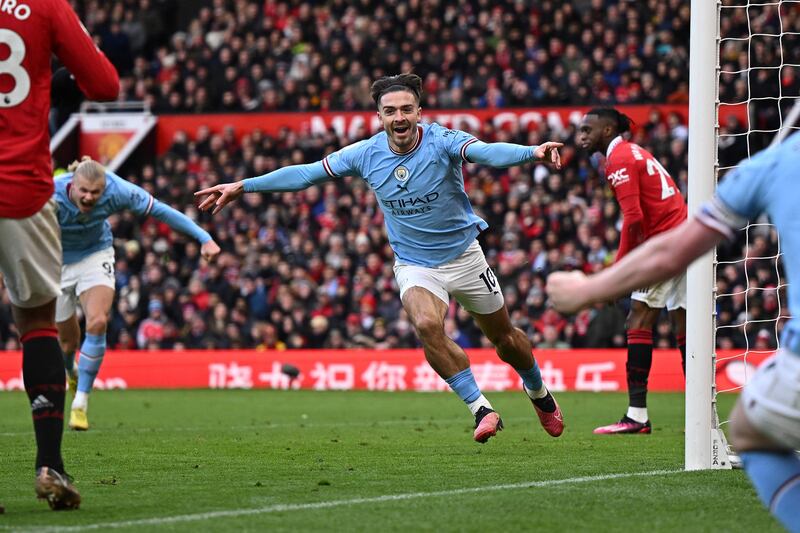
151, 455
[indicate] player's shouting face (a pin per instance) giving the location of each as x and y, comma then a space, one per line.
400, 113
86, 191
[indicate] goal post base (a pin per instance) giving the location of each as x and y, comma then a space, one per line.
721, 456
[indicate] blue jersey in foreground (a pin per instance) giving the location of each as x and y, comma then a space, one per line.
428, 215
83, 234
766, 183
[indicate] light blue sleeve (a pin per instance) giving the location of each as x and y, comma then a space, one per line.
345, 162
126, 195
179, 222
743, 189
498, 154
288, 179
455, 142
741, 196
130, 196
461, 146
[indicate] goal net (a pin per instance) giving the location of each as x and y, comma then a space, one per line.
757, 81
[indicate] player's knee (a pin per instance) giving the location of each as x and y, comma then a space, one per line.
428, 328
96, 325
505, 341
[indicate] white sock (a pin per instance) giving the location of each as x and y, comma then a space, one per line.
536, 394
638, 413
477, 404
81, 400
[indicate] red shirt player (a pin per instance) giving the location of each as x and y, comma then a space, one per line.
30, 247
651, 203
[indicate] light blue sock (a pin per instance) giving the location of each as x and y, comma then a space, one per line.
464, 385
92, 351
531, 378
776, 477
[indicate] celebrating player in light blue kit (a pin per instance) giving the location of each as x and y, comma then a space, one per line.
415, 171
765, 424
86, 198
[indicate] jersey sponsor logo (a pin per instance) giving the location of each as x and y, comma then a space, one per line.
401, 174
619, 177
414, 205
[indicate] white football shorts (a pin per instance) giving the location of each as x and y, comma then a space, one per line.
30, 257
467, 278
670, 294
76, 278
771, 399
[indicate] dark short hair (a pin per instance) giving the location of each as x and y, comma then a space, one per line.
401, 82
621, 121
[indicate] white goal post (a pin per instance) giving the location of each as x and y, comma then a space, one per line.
704, 442
764, 30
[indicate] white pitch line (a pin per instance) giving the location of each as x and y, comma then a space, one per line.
233, 513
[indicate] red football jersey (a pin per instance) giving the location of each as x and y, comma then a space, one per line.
30, 32
650, 200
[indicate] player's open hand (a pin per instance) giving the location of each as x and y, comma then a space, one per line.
209, 250
567, 291
219, 196
548, 153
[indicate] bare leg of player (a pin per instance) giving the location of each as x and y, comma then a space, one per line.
69, 336
96, 303
514, 347
678, 319
427, 313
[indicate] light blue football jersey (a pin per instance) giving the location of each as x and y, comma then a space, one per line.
83, 234
767, 183
428, 215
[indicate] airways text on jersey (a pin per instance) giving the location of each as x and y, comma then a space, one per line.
412, 205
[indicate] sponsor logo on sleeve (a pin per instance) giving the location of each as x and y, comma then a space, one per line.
619, 177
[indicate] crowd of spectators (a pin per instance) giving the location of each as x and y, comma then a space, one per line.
248, 55
313, 269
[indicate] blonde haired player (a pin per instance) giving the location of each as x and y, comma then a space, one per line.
86, 197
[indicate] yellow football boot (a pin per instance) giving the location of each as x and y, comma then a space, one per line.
78, 420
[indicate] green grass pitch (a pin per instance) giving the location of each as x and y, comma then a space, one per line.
360, 461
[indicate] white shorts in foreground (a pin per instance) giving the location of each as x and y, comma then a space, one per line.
670, 294
771, 399
93, 270
467, 278
281, 508
30, 257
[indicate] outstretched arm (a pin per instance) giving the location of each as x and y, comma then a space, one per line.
287, 179
180, 222
508, 155
659, 258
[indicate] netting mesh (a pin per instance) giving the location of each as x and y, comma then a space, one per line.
759, 82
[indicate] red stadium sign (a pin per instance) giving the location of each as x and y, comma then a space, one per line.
384, 370
357, 124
